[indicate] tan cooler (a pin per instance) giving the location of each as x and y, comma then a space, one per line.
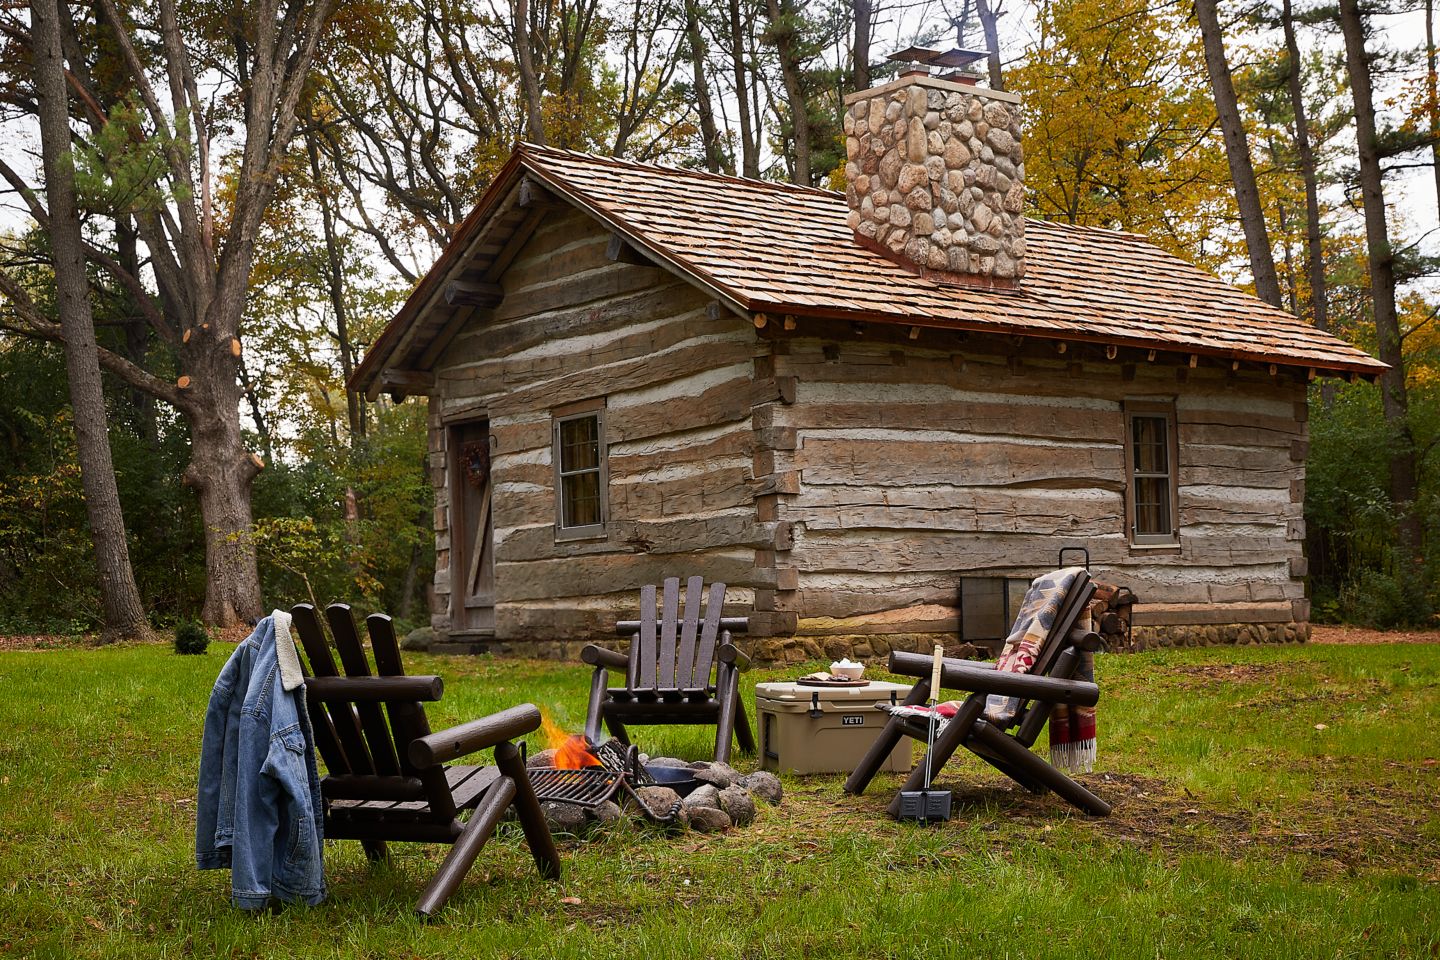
825, 729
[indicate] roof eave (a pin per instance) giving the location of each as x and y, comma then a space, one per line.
363, 378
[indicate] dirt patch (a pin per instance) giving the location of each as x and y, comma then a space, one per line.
37, 641
1195, 676
1331, 633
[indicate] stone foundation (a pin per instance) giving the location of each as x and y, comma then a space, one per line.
1215, 634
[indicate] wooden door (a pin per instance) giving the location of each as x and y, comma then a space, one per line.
472, 558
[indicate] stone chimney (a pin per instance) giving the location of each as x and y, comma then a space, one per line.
936, 176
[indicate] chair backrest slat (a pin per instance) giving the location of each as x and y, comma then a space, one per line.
685, 657
669, 622
346, 751
642, 650
408, 720
709, 635
372, 719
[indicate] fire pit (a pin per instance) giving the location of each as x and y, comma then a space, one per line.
587, 775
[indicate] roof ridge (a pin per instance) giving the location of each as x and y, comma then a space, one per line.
777, 185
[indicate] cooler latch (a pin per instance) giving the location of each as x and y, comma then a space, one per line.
815, 712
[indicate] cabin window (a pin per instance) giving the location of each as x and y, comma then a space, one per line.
580, 474
1150, 453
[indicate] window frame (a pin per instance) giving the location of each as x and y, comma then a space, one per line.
567, 414
1156, 409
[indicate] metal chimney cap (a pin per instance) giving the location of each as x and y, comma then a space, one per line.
953, 59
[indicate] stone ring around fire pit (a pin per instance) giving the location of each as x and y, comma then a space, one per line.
582, 786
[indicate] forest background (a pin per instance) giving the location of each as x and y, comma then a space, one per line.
213, 208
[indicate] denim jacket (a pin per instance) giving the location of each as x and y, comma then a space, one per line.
260, 812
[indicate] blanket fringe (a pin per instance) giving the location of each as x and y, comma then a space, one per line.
1076, 757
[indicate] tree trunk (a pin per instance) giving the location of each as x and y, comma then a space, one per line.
221, 471
860, 52
749, 147
1237, 151
1432, 96
709, 133
992, 42
335, 282
1314, 254
1382, 281
123, 611
784, 31
529, 79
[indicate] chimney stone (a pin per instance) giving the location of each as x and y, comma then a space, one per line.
935, 177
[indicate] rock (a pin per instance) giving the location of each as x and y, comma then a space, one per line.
707, 795
563, 817
541, 758
418, 639
668, 762
738, 805
607, 814
876, 115
706, 819
719, 774
916, 141
658, 800
912, 175
764, 785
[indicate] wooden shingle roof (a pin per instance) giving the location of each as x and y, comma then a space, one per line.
782, 249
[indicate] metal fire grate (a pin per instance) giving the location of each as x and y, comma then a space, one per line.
587, 787
620, 769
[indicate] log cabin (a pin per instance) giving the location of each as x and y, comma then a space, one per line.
874, 415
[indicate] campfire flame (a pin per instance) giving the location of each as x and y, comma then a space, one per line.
572, 751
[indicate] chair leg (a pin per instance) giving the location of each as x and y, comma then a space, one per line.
744, 736
728, 693
617, 729
874, 758
1009, 769
375, 850
1040, 771
945, 746
598, 682
532, 820
467, 847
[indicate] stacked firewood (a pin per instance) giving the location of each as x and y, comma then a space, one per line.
1111, 610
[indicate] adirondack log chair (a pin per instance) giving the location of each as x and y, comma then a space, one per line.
668, 669
1048, 683
390, 781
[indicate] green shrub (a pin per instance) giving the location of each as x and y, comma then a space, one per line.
1383, 600
191, 637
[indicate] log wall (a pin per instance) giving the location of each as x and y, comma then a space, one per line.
679, 381
916, 462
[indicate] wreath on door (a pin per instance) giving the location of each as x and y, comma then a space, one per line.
475, 461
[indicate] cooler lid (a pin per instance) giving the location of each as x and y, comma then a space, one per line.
874, 692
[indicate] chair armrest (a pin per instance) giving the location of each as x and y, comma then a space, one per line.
729, 653
476, 735
601, 657
972, 678
376, 689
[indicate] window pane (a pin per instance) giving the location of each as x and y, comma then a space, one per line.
581, 499
1150, 445
580, 444
1152, 506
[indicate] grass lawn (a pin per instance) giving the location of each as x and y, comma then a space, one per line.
1269, 802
